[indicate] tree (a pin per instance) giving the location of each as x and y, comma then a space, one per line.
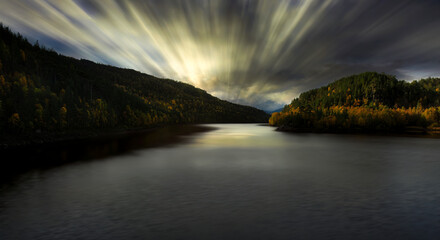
63, 117
15, 122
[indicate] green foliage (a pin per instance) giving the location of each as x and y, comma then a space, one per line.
51, 92
372, 89
368, 101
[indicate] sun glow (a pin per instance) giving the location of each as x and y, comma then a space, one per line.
260, 52
196, 43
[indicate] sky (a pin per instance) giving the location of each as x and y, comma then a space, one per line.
262, 53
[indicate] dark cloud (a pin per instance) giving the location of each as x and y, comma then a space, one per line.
258, 52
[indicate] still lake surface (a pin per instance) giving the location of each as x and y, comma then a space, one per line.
231, 181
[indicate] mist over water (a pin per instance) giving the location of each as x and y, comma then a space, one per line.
235, 181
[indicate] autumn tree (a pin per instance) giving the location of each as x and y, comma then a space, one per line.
15, 122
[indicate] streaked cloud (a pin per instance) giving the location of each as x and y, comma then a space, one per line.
258, 52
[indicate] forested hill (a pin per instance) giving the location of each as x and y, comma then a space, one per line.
370, 88
41, 90
368, 101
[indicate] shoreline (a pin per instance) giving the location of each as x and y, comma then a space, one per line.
411, 131
35, 139
44, 139
23, 156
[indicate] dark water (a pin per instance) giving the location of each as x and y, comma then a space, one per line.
235, 182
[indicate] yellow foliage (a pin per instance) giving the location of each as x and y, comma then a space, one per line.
362, 117
14, 119
63, 110
365, 100
273, 120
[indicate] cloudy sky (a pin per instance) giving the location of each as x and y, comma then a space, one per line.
256, 52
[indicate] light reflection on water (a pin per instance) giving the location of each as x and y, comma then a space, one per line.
239, 136
236, 181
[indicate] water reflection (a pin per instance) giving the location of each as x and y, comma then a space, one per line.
21, 159
239, 136
241, 181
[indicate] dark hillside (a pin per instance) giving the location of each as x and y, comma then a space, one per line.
42, 91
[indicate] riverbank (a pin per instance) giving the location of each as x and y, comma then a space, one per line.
11, 141
408, 131
35, 139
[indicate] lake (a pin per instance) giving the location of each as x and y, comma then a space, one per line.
228, 181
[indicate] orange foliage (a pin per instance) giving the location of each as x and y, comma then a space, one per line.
14, 120
357, 117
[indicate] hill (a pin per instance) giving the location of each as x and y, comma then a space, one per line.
43, 91
365, 102
273, 111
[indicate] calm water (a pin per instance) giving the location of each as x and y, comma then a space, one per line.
241, 181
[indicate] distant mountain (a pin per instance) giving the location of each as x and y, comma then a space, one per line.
273, 111
366, 102
41, 90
